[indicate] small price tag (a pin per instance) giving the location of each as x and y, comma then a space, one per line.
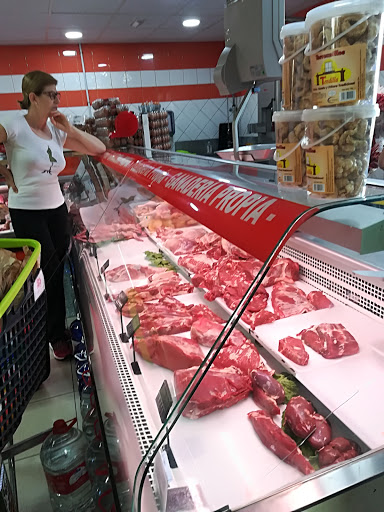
133, 325
121, 300
104, 267
39, 285
164, 401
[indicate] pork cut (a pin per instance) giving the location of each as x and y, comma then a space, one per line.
206, 332
196, 263
293, 349
201, 311
244, 357
330, 340
319, 300
289, 300
259, 318
172, 286
233, 250
130, 271
282, 270
338, 450
276, 440
172, 352
220, 388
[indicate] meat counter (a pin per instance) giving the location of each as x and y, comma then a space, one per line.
255, 374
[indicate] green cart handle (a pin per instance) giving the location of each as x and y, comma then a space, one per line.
18, 243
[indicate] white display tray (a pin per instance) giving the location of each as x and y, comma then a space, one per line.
221, 450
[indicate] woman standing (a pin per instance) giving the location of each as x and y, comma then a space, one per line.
34, 144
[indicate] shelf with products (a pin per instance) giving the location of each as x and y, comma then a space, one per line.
218, 450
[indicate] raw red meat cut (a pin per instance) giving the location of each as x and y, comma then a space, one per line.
196, 263
181, 245
276, 440
264, 401
304, 421
299, 416
219, 389
172, 352
319, 300
259, 318
111, 232
338, 450
293, 349
269, 385
330, 340
166, 276
284, 270
233, 250
206, 332
152, 291
188, 234
202, 311
323, 433
244, 357
130, 271
288, 300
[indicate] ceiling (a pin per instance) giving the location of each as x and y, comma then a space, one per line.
109, 21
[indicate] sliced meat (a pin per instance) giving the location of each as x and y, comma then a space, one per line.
299, 416
244, 357
172, 352
196, 263
220, 388
200, 311
269, 385
319, 300
330, 340
293, 349
289, 300
282, 270
259, 318
338, 450
276, 440
206, 332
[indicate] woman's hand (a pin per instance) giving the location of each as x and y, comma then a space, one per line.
61, 122
8, 176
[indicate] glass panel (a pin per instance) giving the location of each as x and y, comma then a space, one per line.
221, 459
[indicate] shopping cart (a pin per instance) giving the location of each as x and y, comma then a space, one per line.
24, 352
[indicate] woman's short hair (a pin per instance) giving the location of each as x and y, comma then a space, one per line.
34, 81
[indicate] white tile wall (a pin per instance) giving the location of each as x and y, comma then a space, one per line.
118, 79
6, 84
17, 79
103, 80
133, 78
71, 82
203, 76
176, 77
148, 79
190, 76
162, 78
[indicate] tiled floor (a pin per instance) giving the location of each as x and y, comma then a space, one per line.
57, 398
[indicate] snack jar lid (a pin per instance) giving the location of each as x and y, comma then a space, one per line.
341, 113
287, 116
293, 29
341, 8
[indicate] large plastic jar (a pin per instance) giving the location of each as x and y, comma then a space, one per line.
345, 42
337, 147
289, 155
296, 76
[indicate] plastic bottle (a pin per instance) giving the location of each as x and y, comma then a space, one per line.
87, 401
90, 424
99, 475
120, 477
63, 459
76, 331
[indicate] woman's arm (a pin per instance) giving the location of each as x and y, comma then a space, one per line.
77, 140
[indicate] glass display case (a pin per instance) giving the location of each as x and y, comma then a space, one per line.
239, 351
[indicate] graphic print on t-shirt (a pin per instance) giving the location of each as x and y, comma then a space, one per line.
51, 159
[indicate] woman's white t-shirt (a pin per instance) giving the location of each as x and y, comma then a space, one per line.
35, 164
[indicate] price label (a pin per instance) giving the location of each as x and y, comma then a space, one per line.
121, 300
38, 285
164, 401
104, 267
133, 325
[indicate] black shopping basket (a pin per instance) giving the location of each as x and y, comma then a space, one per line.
24, 352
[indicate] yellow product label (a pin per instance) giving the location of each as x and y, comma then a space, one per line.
338, 76
320, 169
286, 89
289, 168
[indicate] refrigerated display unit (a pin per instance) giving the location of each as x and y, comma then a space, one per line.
206, 266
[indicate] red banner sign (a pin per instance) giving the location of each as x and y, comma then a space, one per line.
253, 221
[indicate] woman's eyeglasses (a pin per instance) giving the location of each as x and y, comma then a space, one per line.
53, 95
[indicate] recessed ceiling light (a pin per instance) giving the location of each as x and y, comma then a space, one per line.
137, 23
192, 22
102, 65
69, 53
147, 56
73, 35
